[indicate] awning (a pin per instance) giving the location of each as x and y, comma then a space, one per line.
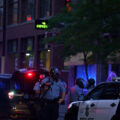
78, 59
114, 59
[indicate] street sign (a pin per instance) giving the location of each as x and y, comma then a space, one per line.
41, 24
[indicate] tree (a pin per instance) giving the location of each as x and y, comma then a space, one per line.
92, 25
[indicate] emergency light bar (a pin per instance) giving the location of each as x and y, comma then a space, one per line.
116, 79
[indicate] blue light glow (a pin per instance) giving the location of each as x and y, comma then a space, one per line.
80, 72
17, 87
2, 85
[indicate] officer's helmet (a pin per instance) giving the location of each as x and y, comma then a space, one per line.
80, 83
54, 73
91, 81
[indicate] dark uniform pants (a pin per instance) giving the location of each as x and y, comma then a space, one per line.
50, 111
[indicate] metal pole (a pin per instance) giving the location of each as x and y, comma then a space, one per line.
4, 38
4, 26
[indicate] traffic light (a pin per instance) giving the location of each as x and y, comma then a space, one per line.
67, 1
68, 5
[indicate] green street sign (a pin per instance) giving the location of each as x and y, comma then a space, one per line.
41, 24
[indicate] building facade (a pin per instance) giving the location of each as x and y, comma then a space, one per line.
21, 44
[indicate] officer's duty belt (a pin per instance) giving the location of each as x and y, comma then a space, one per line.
51, 101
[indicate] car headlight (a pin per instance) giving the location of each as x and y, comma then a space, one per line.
11, 94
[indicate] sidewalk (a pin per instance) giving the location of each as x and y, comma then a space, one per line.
62, 110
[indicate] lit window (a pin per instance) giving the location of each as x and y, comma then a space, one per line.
27, 44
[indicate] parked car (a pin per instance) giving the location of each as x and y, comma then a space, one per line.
21, 95
4, 105
25, 79
102, 103
19, 107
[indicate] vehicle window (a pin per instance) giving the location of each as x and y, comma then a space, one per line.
3, 96
95, 94
110, 92
103, 92
119, 91
5, 83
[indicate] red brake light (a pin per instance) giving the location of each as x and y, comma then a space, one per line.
29, 74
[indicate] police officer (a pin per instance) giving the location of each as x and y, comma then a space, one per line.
91, 84
76, 92
53, 94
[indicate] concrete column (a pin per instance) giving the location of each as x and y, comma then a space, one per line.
19, 54
71, 79
19, 12
36, 52
101, 73
98, 73
36, 8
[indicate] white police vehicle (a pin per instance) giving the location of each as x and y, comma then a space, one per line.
102, 103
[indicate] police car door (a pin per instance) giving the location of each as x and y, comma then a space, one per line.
94, 107
108, 102
87, 108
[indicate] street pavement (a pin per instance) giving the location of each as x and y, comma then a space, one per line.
4, 112
62, 110
4, 106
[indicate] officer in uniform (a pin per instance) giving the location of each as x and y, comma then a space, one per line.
91, 84
76, 92
51, 95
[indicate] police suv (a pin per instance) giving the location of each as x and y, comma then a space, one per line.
102, 103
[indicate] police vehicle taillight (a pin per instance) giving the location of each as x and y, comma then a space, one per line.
11, 95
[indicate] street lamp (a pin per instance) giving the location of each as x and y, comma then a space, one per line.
27, 54
49, 50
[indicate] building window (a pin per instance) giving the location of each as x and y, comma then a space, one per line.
12, 46
44, 60
28, 7
27, 44
1, 13
12, 12
44, 8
